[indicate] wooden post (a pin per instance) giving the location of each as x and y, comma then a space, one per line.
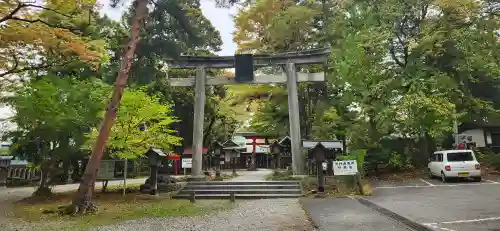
217, 165
232, 197
199, 110
293, 115
359, 184
234, 163
3, 176
321, 177
192, 197
125, 166
319, 157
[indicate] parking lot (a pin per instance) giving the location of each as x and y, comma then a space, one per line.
451, 206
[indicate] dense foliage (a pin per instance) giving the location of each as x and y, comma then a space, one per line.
400, 72
58, 59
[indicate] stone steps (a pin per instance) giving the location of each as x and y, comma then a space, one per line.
250, 186
243, 182
238, 196
241, 189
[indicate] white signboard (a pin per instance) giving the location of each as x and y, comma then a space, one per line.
327, 144
106, 170
345, 167
187, 162
259, 148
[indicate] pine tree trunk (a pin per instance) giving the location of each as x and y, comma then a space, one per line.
82, 200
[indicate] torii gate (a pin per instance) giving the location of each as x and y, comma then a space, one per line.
244, 65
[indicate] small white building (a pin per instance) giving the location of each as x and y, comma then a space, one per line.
482, 134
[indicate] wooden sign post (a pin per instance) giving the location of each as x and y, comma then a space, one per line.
244, 75
319, 157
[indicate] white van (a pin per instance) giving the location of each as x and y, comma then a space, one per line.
454, 164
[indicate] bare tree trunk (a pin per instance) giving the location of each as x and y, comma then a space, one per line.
46, 177
82, 200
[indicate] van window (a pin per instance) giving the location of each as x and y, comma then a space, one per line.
459, 156
434, 157
440, 158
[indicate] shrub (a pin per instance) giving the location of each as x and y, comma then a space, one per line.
359, 156
281, 175
494, 161
399, 162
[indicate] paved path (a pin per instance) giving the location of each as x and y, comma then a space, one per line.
455, 206
346, 214
258, 175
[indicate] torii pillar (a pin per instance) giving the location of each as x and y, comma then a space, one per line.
244, 65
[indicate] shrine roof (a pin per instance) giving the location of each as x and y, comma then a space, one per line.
258, 134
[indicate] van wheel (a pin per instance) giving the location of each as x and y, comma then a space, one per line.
431, 176
443, 177
477, 179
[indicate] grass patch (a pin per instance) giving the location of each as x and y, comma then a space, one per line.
130, 187
281, 175
113, 208
334, 186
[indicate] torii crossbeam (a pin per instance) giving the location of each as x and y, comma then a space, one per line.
290, 77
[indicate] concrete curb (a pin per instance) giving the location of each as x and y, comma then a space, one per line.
309, 218
393, 216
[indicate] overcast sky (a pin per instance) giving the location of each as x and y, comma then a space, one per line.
221, 19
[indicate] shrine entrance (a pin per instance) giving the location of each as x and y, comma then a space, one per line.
244, 65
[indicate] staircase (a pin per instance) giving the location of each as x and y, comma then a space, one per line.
241, 189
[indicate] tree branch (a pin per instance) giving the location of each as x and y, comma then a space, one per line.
53, 10
393, 55
11, 14
74, 29
30, 68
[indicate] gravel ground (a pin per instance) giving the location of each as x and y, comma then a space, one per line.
258, 215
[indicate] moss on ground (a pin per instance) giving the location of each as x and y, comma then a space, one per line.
334, 186
113, 208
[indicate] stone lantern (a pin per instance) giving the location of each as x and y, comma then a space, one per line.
276, 149
233, 150
217, 152
154, 156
